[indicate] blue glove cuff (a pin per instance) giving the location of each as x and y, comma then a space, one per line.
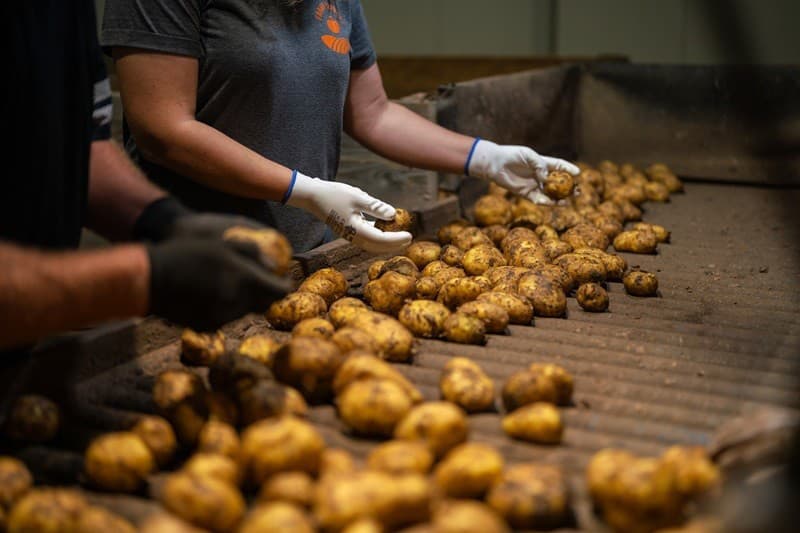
289, 190
469, 156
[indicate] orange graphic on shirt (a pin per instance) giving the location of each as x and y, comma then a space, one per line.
328, 11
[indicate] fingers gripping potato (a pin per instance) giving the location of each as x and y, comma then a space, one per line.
481, 258
536, 422
468, 470
494, 317
640, 283
359, 367
308, 364
402, 221
423, 252
464, 329
287, 312
373, 407
440, 425
465, 384
559, 185
424, 318
519, 311
388, 293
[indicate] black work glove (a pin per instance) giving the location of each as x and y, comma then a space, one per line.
204, 283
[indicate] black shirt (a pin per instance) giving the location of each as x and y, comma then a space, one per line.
57, 101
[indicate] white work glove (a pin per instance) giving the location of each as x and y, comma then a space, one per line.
516, 168
342, 208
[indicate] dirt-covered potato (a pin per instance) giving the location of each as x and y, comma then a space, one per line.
610, 227
373, 407
636, 241
426, 288
464, 383
206, 502
531, 496
670, 180
282, 444
447, 232
468, 470
496, 233
519, 311
630, 212
395, 342
180, 397
33, 418
401, 265
464, 329
342, 311
481, 258
349, 339
694, 473
559, 185
424, 318
267, 398
99, 520
516, 235
15, 480
557, 275
401, 457
615, 266
585, 236
423, 253
388, 293
459, 291
213, 465
452, 255
118, 461
432, 268
640, 283
494, 317
358, 367
402, 221
592, 297
526, 386
492, 209
582, 268
656, 191
291, 487
374, 269
261, 348
466, 516
448, 274
643, 489
561, 379
547, 297
603, 470
326, 282
218, 437
201, 349
662, 233
46, 510
316, 327
554, 248
277, 517
275, 248
158, 436
471, 237
440, 425
335, 461
287, 312
308, 364
536, 422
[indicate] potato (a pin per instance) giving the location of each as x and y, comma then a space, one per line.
559, 185
335, 461
452, 255
282, 444
592, 297
218, 437
582, 268
401, 457
459, 291
670, 180
636, 241
645, 486
470, 237
374, 269
526, 386
261, 348
277, 517
313, 327
166, 522
554, 248
267, 398
118, 461
465, 384
531, 216
607, 166
214, 465
402, 221
158, 436
395, 342
46, 510
426, 288
229, 374
358, 367
468, 470
629, 192
423, 252
464, 329
615, 266
440, 425
424, 318
629, 211
201, 349
291, 487
15, 480
693, 471
585, 235
564, 217
656, 191
465, 516
180, 397
558, 275
536, 422
328, 283
33, 418
432, 268
308, 364
373, 407
481, 258
273, 246
518, 234
349, 339
206, 502
388, 293
401, 265
492, 209
609, 226
662, 233
448, 274
287, 312
447, 232
496, 233
99, 520
640, 283
561, 379
367, 525
519, 311
547, 297
342, 311
531, 496
603, 470
495, 318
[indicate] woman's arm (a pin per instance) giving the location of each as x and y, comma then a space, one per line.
159, 96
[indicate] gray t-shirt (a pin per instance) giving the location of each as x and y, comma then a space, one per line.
272, 77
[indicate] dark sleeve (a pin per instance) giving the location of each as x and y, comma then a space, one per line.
363, 54
102, 110
170, 26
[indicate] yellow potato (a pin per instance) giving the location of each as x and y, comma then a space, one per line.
492, 209
447, 232
433, 267
519, 311
335, 461
33, 418
656, 192
282, 444
308, 364
592, 297
470, 237
373, 407
363, 366
206, 502
440, 425
640, 283
636, 241
166, 522
424, 318
481, 258
447, 274
452, 255
662, 233
400, 264
583, 268
158, 436
328, 283
602, 471
494, 317
342, 311
547, 297
349, 339
694, 473
99, 520
585, 235
670, 180
554, 248
218, 437
468, 470
516, 235
465, 384
287, 312
561, 379
273, 246
629, 210
526, 386
316, 327
465, 516
291, 487
401, 457
464, 329
559, 185
375, 268
558, 275
536, 422
214, 465
388, 293
201, 349
394, 341
262, 348
230, 374
531, 496
118, 461
277, 517
180, 397
496, 232
423, 252
426, 288
46, 511
402, 221
459, 291
15, 480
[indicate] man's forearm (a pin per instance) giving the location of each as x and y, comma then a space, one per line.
44, 293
